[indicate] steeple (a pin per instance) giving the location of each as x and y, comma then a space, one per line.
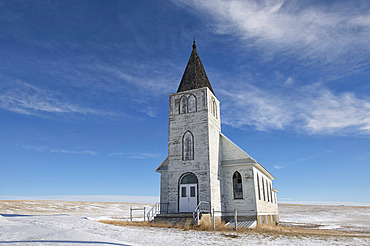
195, 76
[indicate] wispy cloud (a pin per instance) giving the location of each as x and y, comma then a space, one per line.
333, 36
298, 28
279, 167
331, 113
58, 150
24, 98
136, 155
313, 109
253, 106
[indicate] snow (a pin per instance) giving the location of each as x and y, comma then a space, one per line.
66, 223
343, 218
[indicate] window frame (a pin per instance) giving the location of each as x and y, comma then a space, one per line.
237, 180
181, 105
192, 146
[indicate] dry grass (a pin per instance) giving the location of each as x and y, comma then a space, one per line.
303, 232
264, 229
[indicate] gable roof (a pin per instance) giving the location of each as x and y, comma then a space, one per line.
232, 154
163, 166
195, 76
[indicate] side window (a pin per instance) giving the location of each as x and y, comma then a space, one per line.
188, 146
271, 193
263, 188
192, 104
268, 192
258, 187
183, 105
237, 186
214, 108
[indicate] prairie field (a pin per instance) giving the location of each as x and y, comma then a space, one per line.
78, 223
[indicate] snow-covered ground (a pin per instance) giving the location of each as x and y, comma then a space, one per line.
67, 223
343, 218
92, 210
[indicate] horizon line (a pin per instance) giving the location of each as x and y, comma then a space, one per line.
155, 199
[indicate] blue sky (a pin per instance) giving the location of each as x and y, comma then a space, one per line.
84, 92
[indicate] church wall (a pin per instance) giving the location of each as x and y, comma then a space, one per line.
214, 126
264, 206
246, 206
164, 187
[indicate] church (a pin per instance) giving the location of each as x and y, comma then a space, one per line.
203, 165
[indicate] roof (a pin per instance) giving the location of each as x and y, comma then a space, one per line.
232, 154
195, 76
163, 166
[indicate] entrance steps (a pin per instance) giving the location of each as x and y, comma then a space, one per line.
179, 218
243, 223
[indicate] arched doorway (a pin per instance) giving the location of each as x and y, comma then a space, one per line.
188, 193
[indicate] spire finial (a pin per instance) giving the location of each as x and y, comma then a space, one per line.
194, 45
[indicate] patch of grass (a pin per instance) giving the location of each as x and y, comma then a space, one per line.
268, 230
299, 232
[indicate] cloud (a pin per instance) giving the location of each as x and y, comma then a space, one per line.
330, 36
253, 106
57, 150
330, 113
279, 167
24, 98
318, 32
149, 79
136, 84
313, 109
136, 155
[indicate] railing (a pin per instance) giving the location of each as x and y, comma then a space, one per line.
135, 209
203, 207
156, 209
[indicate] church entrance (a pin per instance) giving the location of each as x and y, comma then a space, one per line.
188, 193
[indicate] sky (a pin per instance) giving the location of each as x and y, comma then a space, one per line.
84, 92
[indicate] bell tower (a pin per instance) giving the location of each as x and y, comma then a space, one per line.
193, 142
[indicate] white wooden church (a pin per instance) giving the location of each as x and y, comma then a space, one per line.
205, 166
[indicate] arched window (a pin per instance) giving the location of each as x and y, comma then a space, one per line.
258, 187
271, 193
237, 185
214, 108
263, 188
183, 105
192, 104
189, 179
188, 146
268, 192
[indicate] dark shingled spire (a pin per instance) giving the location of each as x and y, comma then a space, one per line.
195, 76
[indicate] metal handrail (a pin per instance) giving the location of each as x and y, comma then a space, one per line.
198, 210
156, 209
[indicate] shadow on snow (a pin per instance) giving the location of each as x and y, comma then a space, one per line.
25, 215
58, 241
